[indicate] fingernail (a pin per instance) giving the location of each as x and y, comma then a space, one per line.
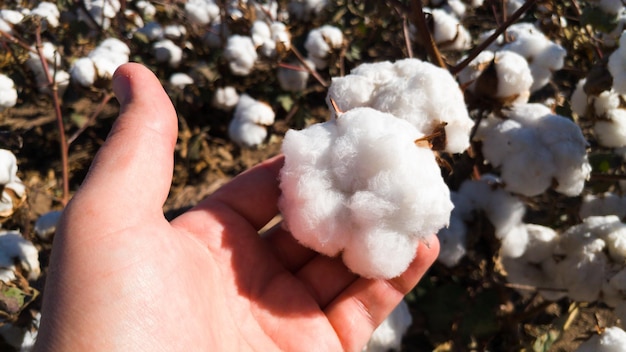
121, 87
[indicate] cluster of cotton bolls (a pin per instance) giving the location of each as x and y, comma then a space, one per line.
100, 63
536, 150
99, 12
596, 248
543, 55
503, 210
358, 185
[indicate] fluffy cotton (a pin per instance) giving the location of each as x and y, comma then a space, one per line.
543, 55
419, 92
612, 339
8, 93
241, 54
202, 12
388, 335
358, 185
100, 63
612, 131
320, 43
49, 12
452, 239
247, 128
46, 224
166, 50
16, 249
268, 37
180, 80
602, 205
447, 32
617, 66
13, 190
225, 98
533, 147
59, 76
8, 18
504, 76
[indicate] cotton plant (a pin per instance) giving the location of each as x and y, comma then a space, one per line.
358, 186
8, 93
248, 125
503, 76
100, 63
611, 339
447, 31
536, 150
543, 55
321, 42
426, 96
388, 335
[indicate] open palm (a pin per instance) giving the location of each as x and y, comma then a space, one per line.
124, 278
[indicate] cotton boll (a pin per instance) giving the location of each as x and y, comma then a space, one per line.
448, 32
241, 54
611, 133
180, 80
513, 241
508, 70
602, 205
8, 166
412, 90
613, 339
578, 100
260, 32
174, 31
83, 71
388, 335
46, 224
541, 243
146, 9
247, 128
452, 239
166, 51
294, 79
225, 98
49, 12
582, 273
320, 42
360, 184
617, 66
202, 12
152, 30
8, 93
9, 18
15, 248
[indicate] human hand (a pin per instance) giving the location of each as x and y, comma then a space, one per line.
121, 277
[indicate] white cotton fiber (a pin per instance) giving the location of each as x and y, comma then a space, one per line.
359, 185
601, 205
225, 98
320, 42
447, 32
247, 128
533, 147
612, 131
613, 339
8, 93
388, 335
419, 92
16, 249
241, 54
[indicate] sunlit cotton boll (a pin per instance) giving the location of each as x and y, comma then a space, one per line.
8, 18
180, 80
359, 185
225, 98
448, 32
8, 93
15, 249
247, 128
504, 76
612, 339
543, 55
419, 92
100, 63
49, 12
601, 205
320, 42
388, 335
612, 131
533, 147
202, 12
241, 54
167, 51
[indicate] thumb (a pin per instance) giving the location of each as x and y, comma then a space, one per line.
131, 175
